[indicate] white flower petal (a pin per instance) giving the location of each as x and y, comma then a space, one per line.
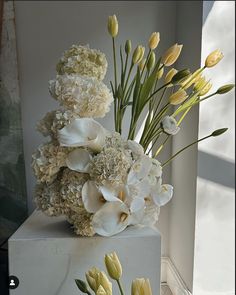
137, 204
111, 219
110, 194
164, 195
136, 148
139, 169
79, 160
83, 132
169, 125
92, 197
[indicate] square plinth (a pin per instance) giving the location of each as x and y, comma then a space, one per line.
46, 256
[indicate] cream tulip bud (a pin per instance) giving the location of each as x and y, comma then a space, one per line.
141, 287
151, 61
112, 25
154, 40
113, 266
160, 73
91, 277
101, 291
104, 282
171, 55
170, 75
142, 63
138, 54
205, 89
213, 58
178, 97
225, 88
128, 47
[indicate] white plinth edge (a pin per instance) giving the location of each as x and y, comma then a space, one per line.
171, 277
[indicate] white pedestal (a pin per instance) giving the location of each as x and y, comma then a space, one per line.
46, 256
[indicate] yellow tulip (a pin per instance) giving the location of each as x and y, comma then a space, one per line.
213, 58
170, 75
151, 61
141, 287
142, 64
154, 40
112, 25
138, 54
178, 97
160, 73
202, 86
189, 81
113, 266
91, 277
171, 55
101, 291
103, 280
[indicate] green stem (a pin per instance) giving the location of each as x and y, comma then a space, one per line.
120, 287
161, 146
186, 147
114, 59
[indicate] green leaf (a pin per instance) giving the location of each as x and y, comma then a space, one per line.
136, 90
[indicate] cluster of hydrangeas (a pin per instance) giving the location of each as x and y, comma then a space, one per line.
100, 182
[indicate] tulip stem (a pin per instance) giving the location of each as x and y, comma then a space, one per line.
120, 287
114, 57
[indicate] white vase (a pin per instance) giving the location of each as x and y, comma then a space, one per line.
46, 256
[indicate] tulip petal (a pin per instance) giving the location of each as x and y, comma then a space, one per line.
83, 132
163, 196
92, 197
111, 219
79, 160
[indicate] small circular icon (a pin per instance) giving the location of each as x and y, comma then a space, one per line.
13, 282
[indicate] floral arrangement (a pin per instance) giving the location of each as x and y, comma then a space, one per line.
99, 282
101, 181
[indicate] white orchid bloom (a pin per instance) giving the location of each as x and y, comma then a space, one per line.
92, 198
136, 149
139, 170
169, 125
83, 132
111, 219
79, 160
162, 193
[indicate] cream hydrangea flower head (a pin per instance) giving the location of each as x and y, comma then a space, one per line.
111, 167
71, 187
47, 161
54, 121
48, 200
83, 61
81, 221
84, 96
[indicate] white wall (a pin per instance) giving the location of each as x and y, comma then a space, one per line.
46, 28
214, 266
184, 167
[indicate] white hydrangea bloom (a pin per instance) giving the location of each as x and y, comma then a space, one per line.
48, 200
83, 61
71, 184
81, 221
85, 96
169, 125
54, 121
111, 166
47, 161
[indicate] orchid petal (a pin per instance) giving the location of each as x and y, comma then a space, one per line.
79, 160
83, 132
110, 194
139, 170
111, 219
92, 197
164, 195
